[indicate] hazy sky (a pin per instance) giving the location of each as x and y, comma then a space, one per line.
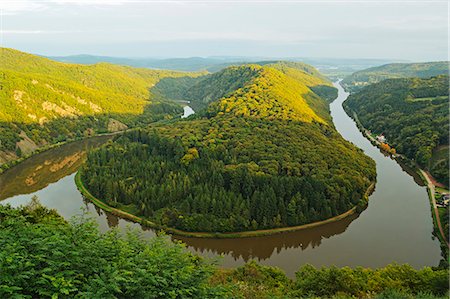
412, 30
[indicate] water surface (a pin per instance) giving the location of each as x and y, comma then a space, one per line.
187, 111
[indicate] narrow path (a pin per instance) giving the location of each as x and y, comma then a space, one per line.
431, 189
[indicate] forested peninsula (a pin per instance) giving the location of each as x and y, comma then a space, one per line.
262, 153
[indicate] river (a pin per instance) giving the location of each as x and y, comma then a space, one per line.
396, 227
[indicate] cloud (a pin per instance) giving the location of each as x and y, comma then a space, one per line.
11, 7
89, 2
39, 31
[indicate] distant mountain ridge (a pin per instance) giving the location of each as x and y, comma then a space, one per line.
177, 64
362, 78
332, 67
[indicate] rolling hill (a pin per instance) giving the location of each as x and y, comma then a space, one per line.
372, 75
44, 101
202, 90
413, 115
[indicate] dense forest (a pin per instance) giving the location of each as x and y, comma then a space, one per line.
200, 91
43, 102
262, 156
43, 256
362, 78
413, 115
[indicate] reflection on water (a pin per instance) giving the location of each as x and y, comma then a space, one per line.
396, 227
262, 248
45, 168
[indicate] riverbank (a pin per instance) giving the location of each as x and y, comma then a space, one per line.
429, 182
244, 234
5, 166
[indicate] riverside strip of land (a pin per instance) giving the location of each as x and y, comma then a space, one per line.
431, 192
431, 185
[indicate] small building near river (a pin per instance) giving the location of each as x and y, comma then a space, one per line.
380, 138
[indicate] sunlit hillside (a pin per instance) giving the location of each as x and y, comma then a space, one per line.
43, 101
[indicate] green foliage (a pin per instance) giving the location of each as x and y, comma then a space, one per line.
51, 101
416, 129
42, 256
255, 281
359, 282
271, 94
360, 79
174, 89
303, 80
393, 281
219, 85
258, 158
444, 219
439, 163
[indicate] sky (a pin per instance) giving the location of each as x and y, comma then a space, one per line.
407, 30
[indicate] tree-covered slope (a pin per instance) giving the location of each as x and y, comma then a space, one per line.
43, 101
309, 76
220, 84
258, 156
358, 80
272, 94
413, 115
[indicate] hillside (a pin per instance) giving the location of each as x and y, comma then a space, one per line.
358, 80
206, 90
262, 154
309, 76
413, 115
43, 101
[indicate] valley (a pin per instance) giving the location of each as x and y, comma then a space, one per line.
397, 218
255, 162
232, 149
46, 102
